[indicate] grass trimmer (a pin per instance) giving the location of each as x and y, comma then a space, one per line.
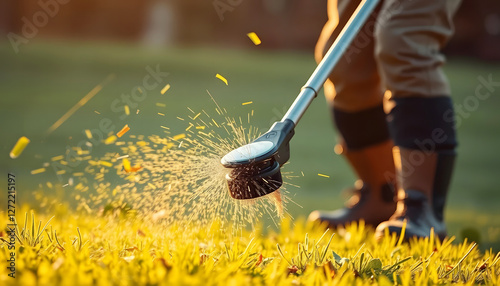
255, 167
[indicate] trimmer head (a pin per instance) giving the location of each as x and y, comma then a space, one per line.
255, 167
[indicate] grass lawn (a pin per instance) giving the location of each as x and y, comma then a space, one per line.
75, 249
44, 80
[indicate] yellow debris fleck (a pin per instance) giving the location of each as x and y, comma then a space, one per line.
194, 118
200, 127
159, 104
97, 112
83, 152
203, 133
88, 133
61, 172
105, 163
128, 167
37, 171
57, 158
167, 87
323, 175
221, 78
110, 140
127, 110
78, 174
179, 136
161, 114
19, 147
247, 103
255, 39
215, 123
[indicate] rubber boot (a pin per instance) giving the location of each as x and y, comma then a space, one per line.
423, 180
373, 200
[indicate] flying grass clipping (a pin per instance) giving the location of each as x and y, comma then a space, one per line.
223, 79
165, 89
19, 147
254, 38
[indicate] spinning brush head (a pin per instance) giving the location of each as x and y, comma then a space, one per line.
254, 169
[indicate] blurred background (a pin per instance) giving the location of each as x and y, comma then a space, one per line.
53, 52
284, 24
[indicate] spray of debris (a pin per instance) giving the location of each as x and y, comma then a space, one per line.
176, 178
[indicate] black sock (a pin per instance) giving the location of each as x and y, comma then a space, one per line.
362, 128
423, 123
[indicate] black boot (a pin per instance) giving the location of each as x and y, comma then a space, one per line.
373, 200
419, 216
368, 205
422, 209
444, 170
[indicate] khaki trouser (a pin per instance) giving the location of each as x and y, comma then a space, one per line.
397, 50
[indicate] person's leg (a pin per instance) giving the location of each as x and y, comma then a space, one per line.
409, 36
355, 95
